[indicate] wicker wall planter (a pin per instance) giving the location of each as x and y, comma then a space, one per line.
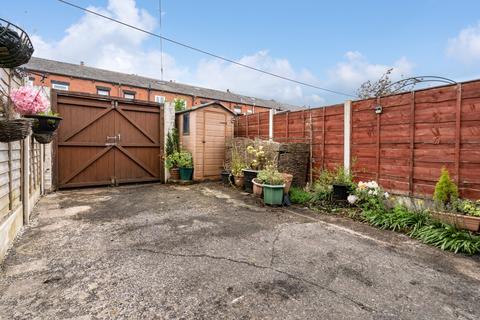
15, 45
458, 220
14, 130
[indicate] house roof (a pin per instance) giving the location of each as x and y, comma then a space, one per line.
200, 106
85, 72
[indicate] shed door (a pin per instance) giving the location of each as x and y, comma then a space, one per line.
214, 146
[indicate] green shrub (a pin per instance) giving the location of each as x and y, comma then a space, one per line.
447, 237
299, 195
322, 187
467, 207
184, 159
445, 190
173, 142
271, 176
397, 219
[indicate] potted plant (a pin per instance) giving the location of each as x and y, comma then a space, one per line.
288, 181
463, 214
225, 175
342, 183
238, 165
273, 185
171, 151
257, 187
255, 161
185, 164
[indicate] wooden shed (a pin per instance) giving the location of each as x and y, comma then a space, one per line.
203, 131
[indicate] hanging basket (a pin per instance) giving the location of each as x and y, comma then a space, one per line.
44, 138
15, 45
14, 130
44, 124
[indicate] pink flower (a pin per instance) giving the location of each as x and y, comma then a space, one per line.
28, 100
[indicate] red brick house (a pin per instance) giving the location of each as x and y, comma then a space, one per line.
81, 78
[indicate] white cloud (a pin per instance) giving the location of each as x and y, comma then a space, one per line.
222, 75
466, 46
104, 44
349, 74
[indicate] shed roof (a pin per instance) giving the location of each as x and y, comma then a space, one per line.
201, 106
85, 72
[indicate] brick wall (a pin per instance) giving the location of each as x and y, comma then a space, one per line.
116, 90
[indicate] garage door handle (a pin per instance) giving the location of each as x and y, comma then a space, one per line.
109, 139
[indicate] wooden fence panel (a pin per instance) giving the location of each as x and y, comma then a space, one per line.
403, 148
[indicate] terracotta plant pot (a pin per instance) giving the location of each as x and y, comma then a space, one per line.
174, 174
257, 188
239, 181
288, 178
458, 220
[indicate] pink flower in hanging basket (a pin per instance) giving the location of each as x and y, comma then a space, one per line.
28, 100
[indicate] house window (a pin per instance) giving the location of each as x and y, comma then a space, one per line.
29, 81
103, 91
159, 99
129, 95
237, 109
186, 124
57, 85
249, 111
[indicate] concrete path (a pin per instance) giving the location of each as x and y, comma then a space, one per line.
208, 252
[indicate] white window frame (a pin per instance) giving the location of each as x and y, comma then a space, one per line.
129, 95
103, 92
60, 86
160, 99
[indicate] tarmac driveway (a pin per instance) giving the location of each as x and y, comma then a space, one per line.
207, 252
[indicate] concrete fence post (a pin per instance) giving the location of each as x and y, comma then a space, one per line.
347, 127
270, 124
169, 124
26, 180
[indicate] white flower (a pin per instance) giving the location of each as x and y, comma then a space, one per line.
352, 199
386, 195
370, 192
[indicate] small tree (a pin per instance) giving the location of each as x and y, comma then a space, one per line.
445, 190
173, 142
381, 87
180, 104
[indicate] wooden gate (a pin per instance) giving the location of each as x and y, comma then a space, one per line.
107, 140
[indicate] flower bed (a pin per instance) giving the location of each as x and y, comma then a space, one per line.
367, 202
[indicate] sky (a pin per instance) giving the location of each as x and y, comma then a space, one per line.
331, 44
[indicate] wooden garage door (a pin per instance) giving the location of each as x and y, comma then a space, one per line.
214, 146
108, 141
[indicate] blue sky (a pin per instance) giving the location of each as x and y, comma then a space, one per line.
334, 44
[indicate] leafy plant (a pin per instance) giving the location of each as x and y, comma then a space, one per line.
445, 190
299, 195
256, 157
397, 219
238, 164
173, 142
185, 159
322, 187
467, 207
271, 176
180, 104
343, 177
447, 237
370, 196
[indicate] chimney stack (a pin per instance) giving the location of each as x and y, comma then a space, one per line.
82, 63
